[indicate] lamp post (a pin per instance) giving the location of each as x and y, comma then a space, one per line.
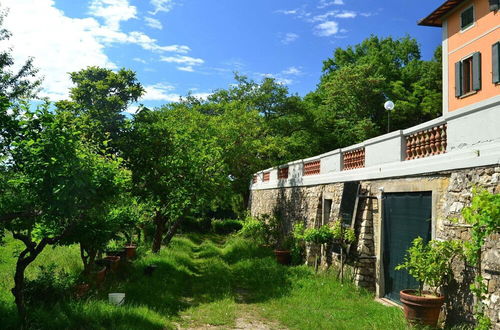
389, 106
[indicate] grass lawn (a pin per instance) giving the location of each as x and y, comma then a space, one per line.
199, 281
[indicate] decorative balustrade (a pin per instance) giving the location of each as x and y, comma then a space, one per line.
353, 159
266, 176
426, 143
313, 167
283, 173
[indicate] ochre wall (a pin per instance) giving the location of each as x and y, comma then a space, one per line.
461, 44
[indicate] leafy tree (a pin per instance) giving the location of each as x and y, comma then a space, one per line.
356, 81
258, 125
15, 84
176, 164
51, 183
100, 96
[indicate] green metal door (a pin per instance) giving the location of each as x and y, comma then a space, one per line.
406, 217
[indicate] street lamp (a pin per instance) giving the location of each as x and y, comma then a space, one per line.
389, 106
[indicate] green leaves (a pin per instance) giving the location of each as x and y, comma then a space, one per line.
430, 263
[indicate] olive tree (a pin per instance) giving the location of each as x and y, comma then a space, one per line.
51, 183
177, 166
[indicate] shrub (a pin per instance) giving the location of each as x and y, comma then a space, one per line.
255, 230
430, 263
226, 226
49, 287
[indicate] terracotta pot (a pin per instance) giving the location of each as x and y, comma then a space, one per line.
283, 257
81, 289
130, 251
423, 309
98, 275
113, 262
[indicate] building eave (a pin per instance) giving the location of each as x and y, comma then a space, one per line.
435, 18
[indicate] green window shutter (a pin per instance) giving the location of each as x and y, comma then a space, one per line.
495, 62
458, 79
476, 71
494, 5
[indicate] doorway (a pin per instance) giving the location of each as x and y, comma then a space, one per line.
406, 216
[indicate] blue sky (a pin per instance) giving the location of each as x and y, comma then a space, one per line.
181, 46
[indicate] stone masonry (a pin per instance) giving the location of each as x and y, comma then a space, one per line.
452, 191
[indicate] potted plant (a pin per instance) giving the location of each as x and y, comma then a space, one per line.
430, 265
280, 239
130, 251
98, 272
112, 262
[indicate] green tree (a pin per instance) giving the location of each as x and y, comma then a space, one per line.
50, 182
356, 81
258, 125
176, 164
100, 96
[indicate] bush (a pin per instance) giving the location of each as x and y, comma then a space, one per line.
226, 226
255, 230
49, 287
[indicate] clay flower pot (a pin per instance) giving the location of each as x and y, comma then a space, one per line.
81, 290
424, 309
113, 262
98, 275
283, 257
131, 251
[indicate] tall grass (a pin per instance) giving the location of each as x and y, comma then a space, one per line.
202, 280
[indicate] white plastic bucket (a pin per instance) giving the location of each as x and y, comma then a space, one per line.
116, 298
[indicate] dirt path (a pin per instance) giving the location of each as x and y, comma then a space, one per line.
247, 318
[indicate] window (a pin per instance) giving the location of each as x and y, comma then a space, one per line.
468, 75
496, 63
494, 5
467, 18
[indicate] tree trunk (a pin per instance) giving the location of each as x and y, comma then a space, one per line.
172, 230
160, 221
25, 258
88, 256
18, 291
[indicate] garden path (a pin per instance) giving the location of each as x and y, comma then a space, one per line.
247, 318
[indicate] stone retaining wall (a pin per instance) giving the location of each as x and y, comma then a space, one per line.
452, 191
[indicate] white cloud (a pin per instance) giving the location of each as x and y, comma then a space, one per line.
327, 28
160, 92
186, 60
59, 44
161, 5
289, 38
347, 14
140, 60
288, 11
292, 71
153, 23
113, 11
188, 68
325, 3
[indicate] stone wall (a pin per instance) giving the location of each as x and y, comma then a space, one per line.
457, 196
452, 191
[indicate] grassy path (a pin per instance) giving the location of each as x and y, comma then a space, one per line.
205, 282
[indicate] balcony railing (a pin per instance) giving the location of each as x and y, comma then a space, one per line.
426, 143
353, 159
283, 173
266, 176
312, 168
445, 143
